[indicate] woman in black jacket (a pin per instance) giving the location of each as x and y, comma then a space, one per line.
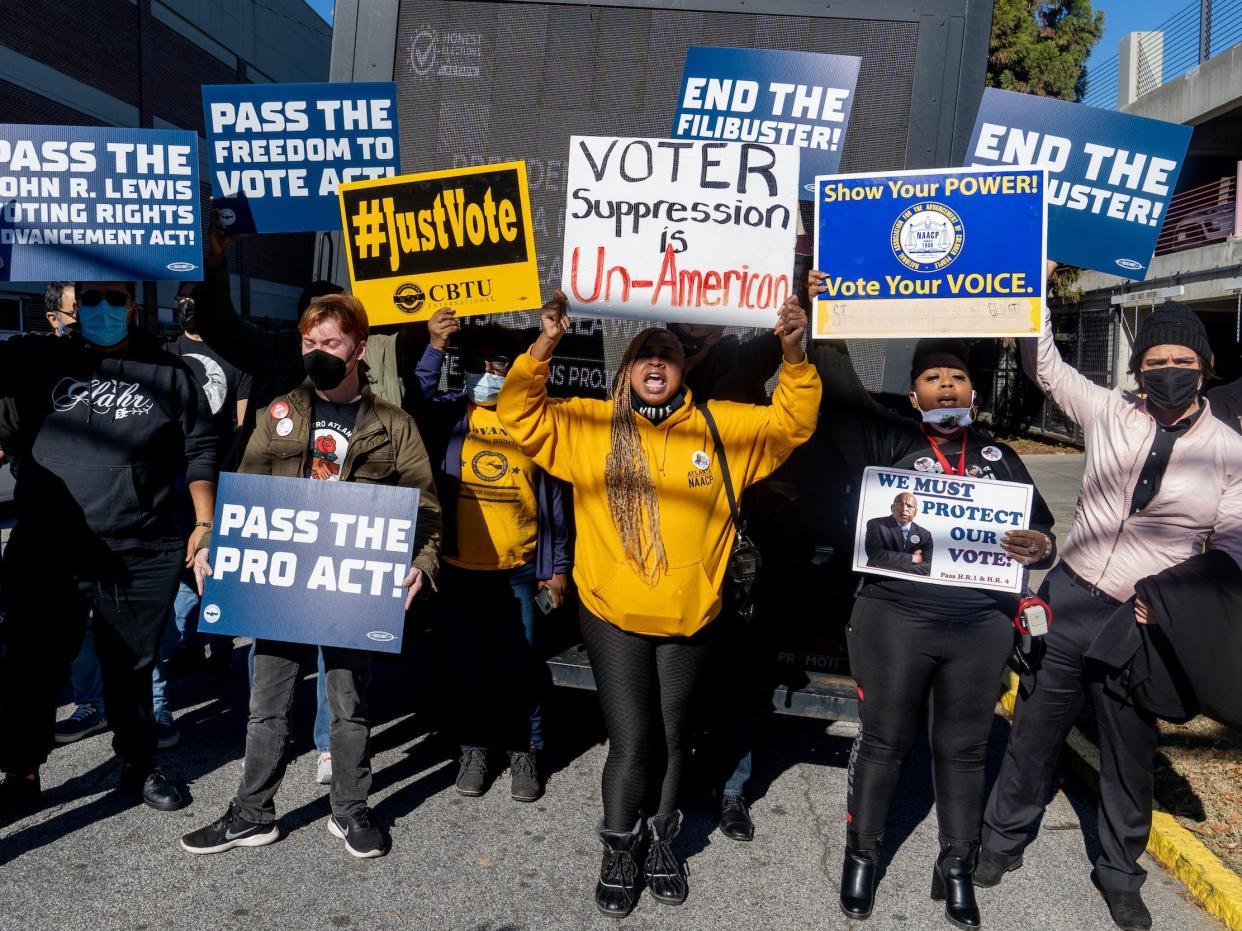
916, 644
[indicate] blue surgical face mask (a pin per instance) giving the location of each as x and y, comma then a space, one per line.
104, 324
484, 388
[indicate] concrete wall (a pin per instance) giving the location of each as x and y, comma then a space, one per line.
1208, 90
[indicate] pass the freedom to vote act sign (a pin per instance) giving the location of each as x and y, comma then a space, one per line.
944, 252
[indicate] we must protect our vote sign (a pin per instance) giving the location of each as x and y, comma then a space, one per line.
950, 252
98, 203
1110, 175
306, 561
680, 230
279, 152
941, 529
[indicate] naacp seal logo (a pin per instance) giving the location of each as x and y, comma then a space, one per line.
408, 298
927, 237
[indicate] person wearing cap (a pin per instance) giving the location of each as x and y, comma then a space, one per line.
1163, 481
913, 643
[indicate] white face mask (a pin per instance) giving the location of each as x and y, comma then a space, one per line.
484, 388
947, 419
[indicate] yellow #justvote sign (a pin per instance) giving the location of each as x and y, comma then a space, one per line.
457, 238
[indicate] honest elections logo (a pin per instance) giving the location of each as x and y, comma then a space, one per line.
927, 237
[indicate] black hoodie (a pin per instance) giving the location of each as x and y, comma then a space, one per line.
107, 433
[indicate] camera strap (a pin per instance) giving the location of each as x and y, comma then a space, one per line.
738, 524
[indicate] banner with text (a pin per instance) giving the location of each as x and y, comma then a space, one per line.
460, 238
951, 252
98, 203
801, 99
680, 230
1110, 175
303, 561
279, 152
940, 528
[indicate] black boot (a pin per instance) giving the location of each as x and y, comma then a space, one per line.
858, 875
952, 881
616, 893
1127, 909
665, 877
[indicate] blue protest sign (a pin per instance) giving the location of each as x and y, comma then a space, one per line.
1110, 175
308, 561
99, 204
946, 252
801, 99
279, 152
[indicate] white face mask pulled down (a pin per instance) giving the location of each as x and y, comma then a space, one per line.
484, 388
946, 419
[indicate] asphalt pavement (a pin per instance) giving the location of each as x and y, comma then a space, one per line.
89, 861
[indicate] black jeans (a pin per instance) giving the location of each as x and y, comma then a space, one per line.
278, 669
47, 601
907, 662
1044, 714
499, 676
646, 686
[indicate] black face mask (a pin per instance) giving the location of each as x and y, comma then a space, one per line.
1172, 387
326, 371
186, 315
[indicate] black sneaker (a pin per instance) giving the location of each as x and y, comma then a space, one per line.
525, 785
472, 774
232, 830
362, 838
19, 797
154, 788
84, 722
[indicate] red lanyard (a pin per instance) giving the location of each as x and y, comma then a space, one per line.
944, 463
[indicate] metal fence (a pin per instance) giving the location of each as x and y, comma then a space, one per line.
1189, 37
1200, 215
1087, 338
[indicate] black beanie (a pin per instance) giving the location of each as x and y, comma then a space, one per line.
1172, 324
939, 353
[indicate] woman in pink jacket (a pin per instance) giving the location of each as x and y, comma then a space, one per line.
1163, 481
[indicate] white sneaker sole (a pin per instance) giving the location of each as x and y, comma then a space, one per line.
250, 840
360, 854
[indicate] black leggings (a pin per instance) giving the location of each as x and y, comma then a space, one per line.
645, 687
905, 661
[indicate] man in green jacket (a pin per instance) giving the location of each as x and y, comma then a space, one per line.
332, 428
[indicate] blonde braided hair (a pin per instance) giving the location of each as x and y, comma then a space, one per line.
627, 475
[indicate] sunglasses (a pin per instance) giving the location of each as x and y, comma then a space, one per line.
476, 363
95, 298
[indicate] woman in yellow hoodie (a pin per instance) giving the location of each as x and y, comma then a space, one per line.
654, 536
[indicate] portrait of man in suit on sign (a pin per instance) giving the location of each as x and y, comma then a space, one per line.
896, 542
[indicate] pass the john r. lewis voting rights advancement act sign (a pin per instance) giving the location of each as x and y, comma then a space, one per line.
458, 238
945, 252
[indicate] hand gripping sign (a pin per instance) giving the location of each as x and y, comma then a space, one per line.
927, 527
1110, 175
459, 238
680, 230
310, 562
946, 252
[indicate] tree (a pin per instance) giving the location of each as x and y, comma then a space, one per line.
1042, 48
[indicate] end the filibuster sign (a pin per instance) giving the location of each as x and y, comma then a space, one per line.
955, 252
310, 562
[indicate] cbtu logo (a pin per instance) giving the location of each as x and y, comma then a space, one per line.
380, 636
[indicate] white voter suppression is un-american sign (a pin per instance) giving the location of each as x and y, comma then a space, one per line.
927, 237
